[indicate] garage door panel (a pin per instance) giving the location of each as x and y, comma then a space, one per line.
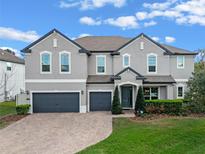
56, 102
100, 101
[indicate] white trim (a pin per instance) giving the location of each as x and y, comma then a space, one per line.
58, 91
55, 42
151, 54
180, 85
55, 80
69, 55
99, 73
141, 45
123, 61
128, 82
181, 80
183, 57
98, 90
50, 54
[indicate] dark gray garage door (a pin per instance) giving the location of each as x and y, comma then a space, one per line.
55, 102
100, 101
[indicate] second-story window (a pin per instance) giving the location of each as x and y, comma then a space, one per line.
8, 66
152, 63
65, 62
126, 60
45, 62
101, 64
180, 62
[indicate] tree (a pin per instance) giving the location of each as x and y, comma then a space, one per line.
116, 106
196, 91
6, 85
139, 104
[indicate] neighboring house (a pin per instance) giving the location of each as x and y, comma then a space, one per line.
63, 75
12, 75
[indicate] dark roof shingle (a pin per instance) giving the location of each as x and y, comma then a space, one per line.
159, 79
99, 79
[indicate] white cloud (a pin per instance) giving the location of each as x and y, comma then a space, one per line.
91, 4
14, 34
151, 23
182, 12
124, 22
81, 35
155, 38
169, 39
17, 52
89, 21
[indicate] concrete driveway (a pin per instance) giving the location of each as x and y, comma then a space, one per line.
57, 133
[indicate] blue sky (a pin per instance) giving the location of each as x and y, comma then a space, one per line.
179, 23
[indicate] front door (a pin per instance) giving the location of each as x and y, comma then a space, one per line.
126, 97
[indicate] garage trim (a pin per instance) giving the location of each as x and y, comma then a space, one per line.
59, 91
89, 91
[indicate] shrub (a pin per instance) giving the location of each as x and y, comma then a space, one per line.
22, 109
139, 104
116, 106
164, 106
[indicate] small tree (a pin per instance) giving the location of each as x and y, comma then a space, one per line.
196, 91
139, 104
116, 106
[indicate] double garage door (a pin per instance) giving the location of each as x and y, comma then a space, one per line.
56, 102
70, 102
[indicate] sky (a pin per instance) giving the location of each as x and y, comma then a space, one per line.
180, 23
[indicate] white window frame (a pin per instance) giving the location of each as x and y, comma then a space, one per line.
50, 53
100, 73
123, 60
180, 85
151, 54
60, 53
178, 67
8, 64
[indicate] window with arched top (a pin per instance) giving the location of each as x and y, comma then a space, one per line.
152, 63
126, 60
46, 59
65, 62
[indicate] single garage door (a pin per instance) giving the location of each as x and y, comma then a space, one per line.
55, 102
100, 101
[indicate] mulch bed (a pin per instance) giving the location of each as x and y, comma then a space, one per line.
151, 117
12, 118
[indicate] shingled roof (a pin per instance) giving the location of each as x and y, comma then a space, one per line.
10, 57
114, 43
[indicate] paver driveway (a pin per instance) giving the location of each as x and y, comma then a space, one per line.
55, 133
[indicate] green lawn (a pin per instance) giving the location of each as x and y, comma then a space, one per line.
7, 108
166, 136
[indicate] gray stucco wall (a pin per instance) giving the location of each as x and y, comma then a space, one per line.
92, 64
78, 61
138, 57
184, 73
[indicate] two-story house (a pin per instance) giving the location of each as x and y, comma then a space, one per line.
63, 75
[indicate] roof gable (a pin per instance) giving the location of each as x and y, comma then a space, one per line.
142, 35
28, 50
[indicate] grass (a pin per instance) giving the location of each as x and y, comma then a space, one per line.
170, 136
7, 108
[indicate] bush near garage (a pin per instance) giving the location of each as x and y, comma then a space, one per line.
22, 109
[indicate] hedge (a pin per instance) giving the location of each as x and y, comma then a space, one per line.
22, 109
164, 106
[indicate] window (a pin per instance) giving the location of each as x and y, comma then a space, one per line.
8, 66
180, 62
141, 45
152, 63
180, 92
65, 62
45, 62
55, 43
101, 64
151, 93
126, 60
